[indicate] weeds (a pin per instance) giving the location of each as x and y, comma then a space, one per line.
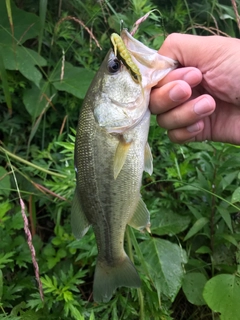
192, 255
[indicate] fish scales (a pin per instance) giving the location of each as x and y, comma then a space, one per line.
111, 153
100, 195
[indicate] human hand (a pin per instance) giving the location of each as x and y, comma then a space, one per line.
201, 100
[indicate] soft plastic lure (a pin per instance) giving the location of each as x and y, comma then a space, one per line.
121, 51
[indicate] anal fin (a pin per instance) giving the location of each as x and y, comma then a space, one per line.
141, 218
148, 160
79, 222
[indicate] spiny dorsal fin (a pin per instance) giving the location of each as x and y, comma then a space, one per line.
141, 218
148, 160
120, 157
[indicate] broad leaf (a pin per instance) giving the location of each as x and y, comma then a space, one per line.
169, 222
193, 284
75, 80
14, 56
198, 225
222, 294
203, 146
204, 250
26, 25
24, 60
37, 100
236, 195
165, 261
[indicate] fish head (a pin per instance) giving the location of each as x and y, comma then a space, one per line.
123, 83
117, 95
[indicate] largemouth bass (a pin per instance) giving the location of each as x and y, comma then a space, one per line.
111, 153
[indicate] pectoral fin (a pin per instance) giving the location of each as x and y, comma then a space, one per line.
79, 222
141, 218
120, 157
148, 160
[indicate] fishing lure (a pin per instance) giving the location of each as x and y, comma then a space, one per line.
121, 51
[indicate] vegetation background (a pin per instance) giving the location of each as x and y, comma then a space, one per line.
189, 265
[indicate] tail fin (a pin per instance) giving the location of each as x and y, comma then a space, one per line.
108, 278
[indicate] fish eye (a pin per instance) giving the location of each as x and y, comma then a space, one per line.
114, 65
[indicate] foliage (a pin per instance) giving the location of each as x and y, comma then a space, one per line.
189, 265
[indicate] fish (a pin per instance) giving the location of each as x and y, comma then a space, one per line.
111, 153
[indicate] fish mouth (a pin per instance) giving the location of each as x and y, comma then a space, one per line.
148, 60
141, 53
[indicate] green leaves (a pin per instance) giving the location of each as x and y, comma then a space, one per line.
13, 55
5, 258
46, 65
236, 195
222, 294
165, 263
24, 60
25, 24
193, 284
38, 99
72, 79
197, 226
63, 291
168, 222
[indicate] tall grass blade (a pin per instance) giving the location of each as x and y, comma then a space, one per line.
42, 15
139, 253
38, 121
28, 234
235, 8
28, 163
9, 11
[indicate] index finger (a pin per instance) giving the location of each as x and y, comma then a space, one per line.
191, 75
191, 50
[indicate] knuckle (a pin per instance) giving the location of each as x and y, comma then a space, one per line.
180, 136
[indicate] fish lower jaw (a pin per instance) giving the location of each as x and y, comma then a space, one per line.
129, 105
130, 125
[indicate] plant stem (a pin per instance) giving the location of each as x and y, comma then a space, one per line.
212, 226
141, 304
139, 291
190, 18
30, 164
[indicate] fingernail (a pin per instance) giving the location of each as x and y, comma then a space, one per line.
194, 127
202, 107
178, 93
